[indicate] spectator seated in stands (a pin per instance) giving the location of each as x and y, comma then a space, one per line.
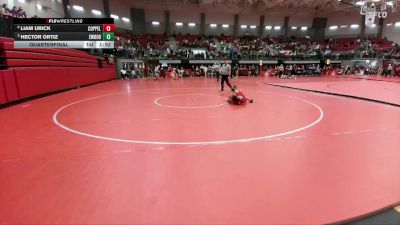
21, 13
194, 47
124, 74
5, 11
6, 19
15, 12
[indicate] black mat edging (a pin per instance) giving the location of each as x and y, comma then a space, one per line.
368, 79
365, 216
388, 217
336, 94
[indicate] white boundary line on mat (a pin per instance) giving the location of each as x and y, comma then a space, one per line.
58, 123
156, 101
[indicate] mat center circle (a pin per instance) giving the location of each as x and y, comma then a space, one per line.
191, 101
222, 125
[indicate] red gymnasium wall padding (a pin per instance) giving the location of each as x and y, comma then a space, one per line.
3, 97
32, 72
10, 85
36, 81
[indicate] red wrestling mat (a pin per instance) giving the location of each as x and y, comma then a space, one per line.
371, 89
172, 152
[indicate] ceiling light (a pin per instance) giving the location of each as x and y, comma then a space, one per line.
39, 6
333, 27
213, 25
268, 27
277, 27
114, 17
304, 28
77, 7
179, 24
354, 26
294, 28
397, 24
125, 19
155, 23
225, 25
253, 27
192, 24
359, 3
96, 12
243, 26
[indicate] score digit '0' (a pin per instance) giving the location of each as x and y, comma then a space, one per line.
108, 27
108, 36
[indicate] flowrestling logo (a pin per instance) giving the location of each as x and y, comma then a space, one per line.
64, 21
371, 11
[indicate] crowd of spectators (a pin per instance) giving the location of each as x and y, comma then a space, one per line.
250, 47
15, 12
376, 48
6, 17
141, 47
254, 48
128, 48
286, 71
194, 41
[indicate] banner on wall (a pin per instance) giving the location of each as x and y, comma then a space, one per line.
370, 17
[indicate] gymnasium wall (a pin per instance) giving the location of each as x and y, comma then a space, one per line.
219, 30
298, 18
155, 15
219, 19
340, 20
115, 8
248, 20
392, 32
88, 7
185, 18
120, 10
273, 19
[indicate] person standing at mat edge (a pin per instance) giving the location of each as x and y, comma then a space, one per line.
225, 72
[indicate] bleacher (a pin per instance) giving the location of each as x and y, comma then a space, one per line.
345, 44
251, 47
29, 72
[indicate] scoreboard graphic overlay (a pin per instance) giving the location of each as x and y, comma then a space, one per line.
78, 33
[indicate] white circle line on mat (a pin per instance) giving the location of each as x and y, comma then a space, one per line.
58, 123
156, 101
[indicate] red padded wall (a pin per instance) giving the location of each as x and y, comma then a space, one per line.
41, 71
3, 98
31, 63
10, 85
36, 81
10, 54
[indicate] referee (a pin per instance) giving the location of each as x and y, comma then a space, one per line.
225, 72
